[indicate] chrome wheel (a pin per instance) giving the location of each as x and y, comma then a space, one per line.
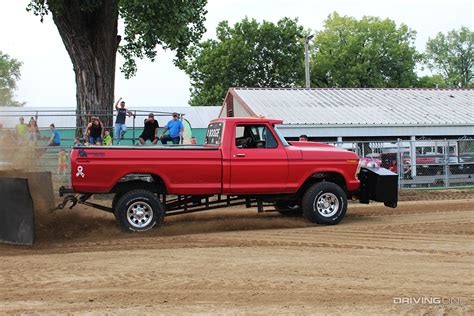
327, 204
139, 214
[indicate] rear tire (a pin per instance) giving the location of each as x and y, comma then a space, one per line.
139, 211
324, 203
116, 198
289, 209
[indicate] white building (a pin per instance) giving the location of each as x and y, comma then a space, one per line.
359, 114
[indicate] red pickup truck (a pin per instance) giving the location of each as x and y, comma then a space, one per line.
244, 159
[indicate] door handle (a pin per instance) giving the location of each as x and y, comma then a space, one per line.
239, 155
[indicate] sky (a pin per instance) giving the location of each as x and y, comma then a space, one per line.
48, 80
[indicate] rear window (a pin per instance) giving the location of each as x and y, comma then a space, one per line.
214, 134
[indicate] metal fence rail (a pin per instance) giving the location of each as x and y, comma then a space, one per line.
46, 117
421, 163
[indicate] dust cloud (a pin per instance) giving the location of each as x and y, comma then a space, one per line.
16, 153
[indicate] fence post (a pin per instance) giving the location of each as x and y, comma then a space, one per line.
133, 131
446, 163
399, 165
413, 156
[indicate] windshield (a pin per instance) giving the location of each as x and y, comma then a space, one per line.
280, 136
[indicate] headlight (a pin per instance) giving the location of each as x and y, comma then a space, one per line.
371, 164
361, 162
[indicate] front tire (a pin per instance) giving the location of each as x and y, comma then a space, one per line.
324, 203
139, 211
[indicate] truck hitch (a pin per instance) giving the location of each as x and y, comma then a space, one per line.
79, 199
69, 198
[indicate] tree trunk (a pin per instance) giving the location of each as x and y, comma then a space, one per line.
90, 38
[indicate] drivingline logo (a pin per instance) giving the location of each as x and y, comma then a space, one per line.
436, 300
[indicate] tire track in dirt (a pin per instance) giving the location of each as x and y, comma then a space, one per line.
100, 233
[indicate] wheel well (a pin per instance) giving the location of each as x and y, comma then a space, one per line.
148, 182
333, 177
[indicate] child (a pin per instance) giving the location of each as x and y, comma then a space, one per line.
77, 141
107, 139
62, 162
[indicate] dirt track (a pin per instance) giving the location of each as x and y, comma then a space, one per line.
238, 261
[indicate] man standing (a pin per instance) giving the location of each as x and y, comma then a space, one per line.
175, 128
120, 127
150, 130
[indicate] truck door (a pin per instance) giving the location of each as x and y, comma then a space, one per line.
259, 163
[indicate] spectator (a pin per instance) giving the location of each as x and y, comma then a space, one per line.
62, 162
54, 140
303, 138
150, 130
21, 128
107, 139
393, 166
175, 128
33, 131
77, 142
3, 135
95, 131
120, 127
407, 170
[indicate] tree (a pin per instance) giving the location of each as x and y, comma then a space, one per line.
369, 52
435, 81
248, 54
452, 56
88, 29
9, 75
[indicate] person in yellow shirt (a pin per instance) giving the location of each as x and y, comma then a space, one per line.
22, 128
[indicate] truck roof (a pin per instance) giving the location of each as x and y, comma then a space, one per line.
248, 120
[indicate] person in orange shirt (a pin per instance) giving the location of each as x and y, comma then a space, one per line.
62, 162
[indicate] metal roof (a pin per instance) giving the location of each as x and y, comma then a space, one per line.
63, 117
361, 107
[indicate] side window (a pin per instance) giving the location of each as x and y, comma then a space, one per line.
271, 142
254, 136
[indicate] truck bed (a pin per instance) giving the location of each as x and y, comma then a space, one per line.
152, 147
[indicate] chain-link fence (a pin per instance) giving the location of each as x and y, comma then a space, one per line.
421, 163
22, 147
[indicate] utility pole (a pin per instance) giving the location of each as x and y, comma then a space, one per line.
306, 59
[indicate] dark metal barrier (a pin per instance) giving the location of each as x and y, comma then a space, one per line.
40, 185
16, 211
378, 184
